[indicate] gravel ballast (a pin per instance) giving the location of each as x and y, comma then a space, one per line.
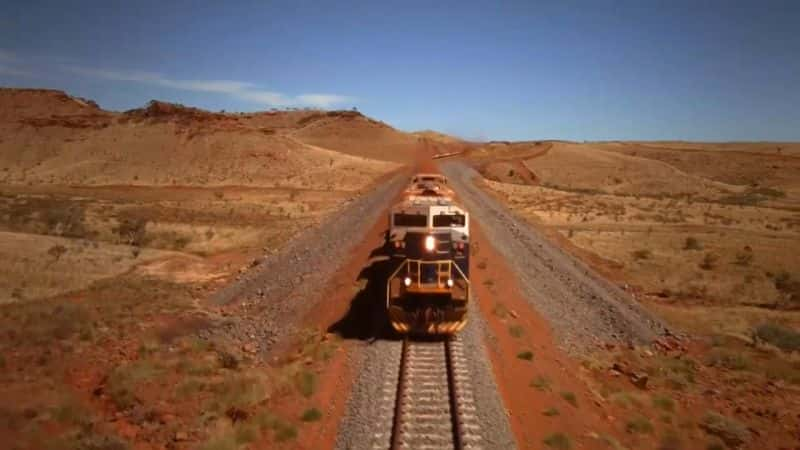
584, 309
284, 286
367, 424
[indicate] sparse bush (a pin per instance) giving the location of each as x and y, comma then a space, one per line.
306, 383
788, 286
709, 261
744, 258
181, 242
57, 251
782, 337
639, 425
132, 230
769, 192
235, 394
627, 399
692, 244
670, 441
732, 433
541, 383
550, 412
311, 415
500, 310
190, 388
245, 434
727, 359
570, 398
526, 355
228, 360
65, 220
642, 254
558, 441
283, 431
664, 403
123, 381
226, 442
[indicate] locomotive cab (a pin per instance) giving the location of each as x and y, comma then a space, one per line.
428, 291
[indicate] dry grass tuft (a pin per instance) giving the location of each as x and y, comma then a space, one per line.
729, 430
570, 398
526, 355
639, 425
780, 336
541, 383
311, 415
558, 441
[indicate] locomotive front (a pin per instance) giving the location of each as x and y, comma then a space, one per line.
428, 291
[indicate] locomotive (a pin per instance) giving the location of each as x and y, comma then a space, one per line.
428, 290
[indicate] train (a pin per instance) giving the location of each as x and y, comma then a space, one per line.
428, 289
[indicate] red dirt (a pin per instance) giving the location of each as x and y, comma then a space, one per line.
514, 376
333, 386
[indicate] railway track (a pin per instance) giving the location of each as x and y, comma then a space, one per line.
434, 405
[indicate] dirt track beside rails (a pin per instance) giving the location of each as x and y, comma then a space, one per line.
583, 309
291, 282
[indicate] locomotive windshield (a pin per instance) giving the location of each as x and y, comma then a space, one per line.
449, 220
410, 220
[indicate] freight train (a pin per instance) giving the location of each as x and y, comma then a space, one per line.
428, 290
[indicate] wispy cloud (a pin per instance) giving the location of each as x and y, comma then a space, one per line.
237, 89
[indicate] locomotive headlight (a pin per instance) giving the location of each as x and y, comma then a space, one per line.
449, 282
407, 281
430, 243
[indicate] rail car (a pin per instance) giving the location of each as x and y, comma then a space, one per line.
428, 290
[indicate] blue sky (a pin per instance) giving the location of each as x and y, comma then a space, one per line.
692, 70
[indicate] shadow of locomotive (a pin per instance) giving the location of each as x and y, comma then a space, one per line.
366, 319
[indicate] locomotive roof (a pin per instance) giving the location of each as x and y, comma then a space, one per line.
423, 202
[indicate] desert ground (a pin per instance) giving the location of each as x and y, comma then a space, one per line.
703, 235
179, 279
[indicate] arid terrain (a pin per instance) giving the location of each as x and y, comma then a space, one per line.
707, 237
115, 226
183, 279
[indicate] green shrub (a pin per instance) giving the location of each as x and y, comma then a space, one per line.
692, 243
570, 398
727, 359
664, 403
500, 310
311, 415
732, 433
550, 412
709, 261
284, 431
639, 425
558, 441
516, 331
541, 383
306, 383
246, 433
782, 337
237, 392
527, 355
744, 258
